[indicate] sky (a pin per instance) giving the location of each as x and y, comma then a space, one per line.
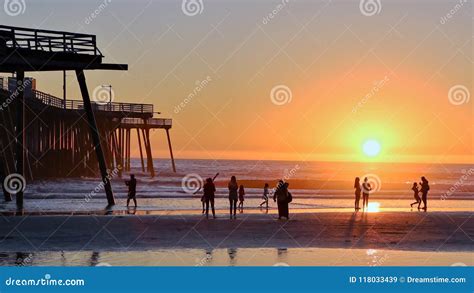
284, 80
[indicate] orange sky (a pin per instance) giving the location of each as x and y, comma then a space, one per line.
352, 77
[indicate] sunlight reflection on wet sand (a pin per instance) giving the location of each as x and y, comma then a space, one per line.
241, 257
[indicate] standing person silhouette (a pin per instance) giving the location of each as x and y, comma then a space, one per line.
366, 188
416, 192
282, 197
357, 193
425, 187
265, 196
241, 198
132, 190
233, 195
209, 196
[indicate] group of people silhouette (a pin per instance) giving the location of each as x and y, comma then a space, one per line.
281, 196
424, 188
365, 188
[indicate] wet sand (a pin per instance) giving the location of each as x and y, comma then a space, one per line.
414, 231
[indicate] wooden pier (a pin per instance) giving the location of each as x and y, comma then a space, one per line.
46, 136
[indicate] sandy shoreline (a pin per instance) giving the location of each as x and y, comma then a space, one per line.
386, 230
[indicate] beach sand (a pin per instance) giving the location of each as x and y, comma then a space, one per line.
413, 231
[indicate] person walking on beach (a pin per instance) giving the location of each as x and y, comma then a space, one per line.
366, 188
425, 187
416, 192
357, 193
241, 198
209, 196
265, 195
282, 197
233, 195
132, 190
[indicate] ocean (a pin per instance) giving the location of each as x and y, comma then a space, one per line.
314, 185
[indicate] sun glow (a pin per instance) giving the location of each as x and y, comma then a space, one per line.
373, 207
371, 148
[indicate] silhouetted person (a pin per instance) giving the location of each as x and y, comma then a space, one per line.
132, 190
203, 201
265, 195
425, 187
282, 197
357, 193
209, 196
233, 195
366, 188
241, 198
416, 192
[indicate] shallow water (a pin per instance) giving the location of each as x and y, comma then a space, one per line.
154, 206
240, 257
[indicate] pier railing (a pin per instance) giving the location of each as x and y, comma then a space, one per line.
56, 102
49, 41
153, 122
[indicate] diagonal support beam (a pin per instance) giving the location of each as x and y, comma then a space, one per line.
81, 78
20, 132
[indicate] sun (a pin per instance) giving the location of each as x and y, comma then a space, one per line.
371, 147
